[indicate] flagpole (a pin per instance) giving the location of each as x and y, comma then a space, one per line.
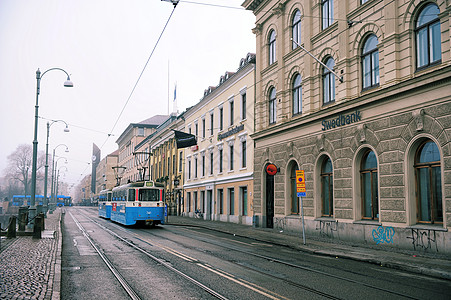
168, 90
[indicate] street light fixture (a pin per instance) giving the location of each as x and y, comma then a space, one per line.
67, 83
46, 203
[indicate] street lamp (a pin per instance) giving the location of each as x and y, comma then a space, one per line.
67, 83
46, 203
55, 166
57, 180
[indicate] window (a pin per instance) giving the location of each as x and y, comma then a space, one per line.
328, 82
232, 201
428, 183
243, 195
296, 29
231, 157
195, 201
221, 201
272, 47
427, 32
243, 154
203, 128
272, 105
189, 169
231, 111
327, 208
203, 165
188, 201
328, 12
368, 177
370, 62
220, 160
243, 106
293, 190
174, 165
195, 167
221, 118
180, 161
211, 163
211, 123
140, 131
297, 95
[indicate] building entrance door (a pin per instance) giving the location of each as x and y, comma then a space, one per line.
269, 201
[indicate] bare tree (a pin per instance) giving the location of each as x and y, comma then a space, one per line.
19, 166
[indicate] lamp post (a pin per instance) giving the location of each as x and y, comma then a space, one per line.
46, 203
67, 83
57, 181
55, 165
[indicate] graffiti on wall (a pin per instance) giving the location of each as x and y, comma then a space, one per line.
423, 239
327, 227
383, 235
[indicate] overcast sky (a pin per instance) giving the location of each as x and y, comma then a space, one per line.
104, 46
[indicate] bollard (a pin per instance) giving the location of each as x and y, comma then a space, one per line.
23, 217
37, 228
11, 228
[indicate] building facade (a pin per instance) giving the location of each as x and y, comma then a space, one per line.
105, 177
219, 169
134, 134
357, 94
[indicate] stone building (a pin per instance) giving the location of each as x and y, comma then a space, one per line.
105, 177
357, 94
219, 169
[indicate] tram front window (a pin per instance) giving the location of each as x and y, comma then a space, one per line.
149, 195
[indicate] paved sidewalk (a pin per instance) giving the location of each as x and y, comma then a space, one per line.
430, 264
31, 268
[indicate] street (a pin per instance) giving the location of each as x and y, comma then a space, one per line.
183, 262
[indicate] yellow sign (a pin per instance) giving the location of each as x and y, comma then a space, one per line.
300, 183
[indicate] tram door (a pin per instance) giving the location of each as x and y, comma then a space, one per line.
269, 201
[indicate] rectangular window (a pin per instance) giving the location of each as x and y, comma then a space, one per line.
181, 161
231, 111
188, 201
211, 163
231, 158
327, 7
202, 201
195, 167
243, 195
243, 154
220, 160
140, 131
221, 201
221, 118
195, 201
197, 130
174, 165
243, 106
211, 123
203, 128
189, 169
232, 201
203, 165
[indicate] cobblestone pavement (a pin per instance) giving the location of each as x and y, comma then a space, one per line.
31, 268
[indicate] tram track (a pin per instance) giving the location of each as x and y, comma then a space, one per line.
296, 266
133, 295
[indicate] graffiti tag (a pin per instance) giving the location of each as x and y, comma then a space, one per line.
327, 228
423, 239
383, 235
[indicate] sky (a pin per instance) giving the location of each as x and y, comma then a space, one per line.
104, 46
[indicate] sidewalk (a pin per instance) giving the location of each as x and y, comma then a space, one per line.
31, 268
434, 265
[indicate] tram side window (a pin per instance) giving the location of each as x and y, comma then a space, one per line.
149, 195
131, 195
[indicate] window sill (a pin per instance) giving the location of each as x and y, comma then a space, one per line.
428, 227
367, 222
329, 219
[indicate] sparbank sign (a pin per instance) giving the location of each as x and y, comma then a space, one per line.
341, 120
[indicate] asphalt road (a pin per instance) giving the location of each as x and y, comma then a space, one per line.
181, 262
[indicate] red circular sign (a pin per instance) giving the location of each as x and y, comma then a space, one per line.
271, 169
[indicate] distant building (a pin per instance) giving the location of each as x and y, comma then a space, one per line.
370, 123
105, 173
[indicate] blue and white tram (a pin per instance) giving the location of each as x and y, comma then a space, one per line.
105, 197
138, 202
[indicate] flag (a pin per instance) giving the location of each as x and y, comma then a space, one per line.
175, 92
184, 140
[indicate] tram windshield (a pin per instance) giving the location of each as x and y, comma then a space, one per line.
149, 195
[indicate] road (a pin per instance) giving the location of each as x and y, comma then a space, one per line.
104, 260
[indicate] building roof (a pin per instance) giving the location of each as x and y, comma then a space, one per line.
155, 120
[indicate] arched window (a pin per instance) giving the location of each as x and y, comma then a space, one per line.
328, 82
294, 194
327, 202
296, 28
428, 183
427, 32
272, 105
272, 47
297, 94
370, 62
368, 177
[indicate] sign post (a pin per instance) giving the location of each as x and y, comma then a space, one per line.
301, 191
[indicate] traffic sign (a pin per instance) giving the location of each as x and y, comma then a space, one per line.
300, 183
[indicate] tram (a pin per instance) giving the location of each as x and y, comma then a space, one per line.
19, 200
105, 203
138, 202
